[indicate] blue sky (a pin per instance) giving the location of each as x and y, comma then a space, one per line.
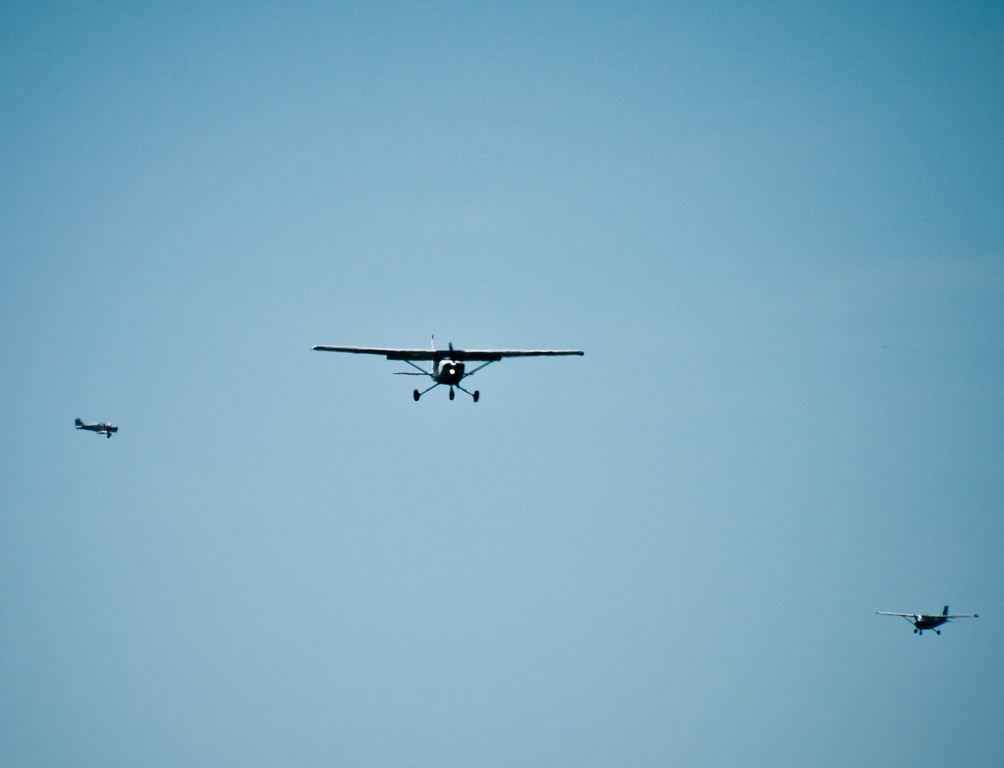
775, 230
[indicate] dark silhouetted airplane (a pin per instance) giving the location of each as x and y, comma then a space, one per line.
448, 365
921, 621
107, 428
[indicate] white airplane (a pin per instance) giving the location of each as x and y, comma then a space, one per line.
105, 428
448, 365
921, 622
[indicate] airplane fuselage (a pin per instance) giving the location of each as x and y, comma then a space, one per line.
448, 372
929, 622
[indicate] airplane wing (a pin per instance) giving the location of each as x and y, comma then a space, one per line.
932, 615
492, 355
485, 355
390, 354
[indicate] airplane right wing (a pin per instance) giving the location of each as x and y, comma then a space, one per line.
494, 355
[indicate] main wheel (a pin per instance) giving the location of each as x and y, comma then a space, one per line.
477, 395
415, 395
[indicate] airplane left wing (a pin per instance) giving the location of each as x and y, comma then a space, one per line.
390, 354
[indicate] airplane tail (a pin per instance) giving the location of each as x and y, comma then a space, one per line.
78, 423
945, 612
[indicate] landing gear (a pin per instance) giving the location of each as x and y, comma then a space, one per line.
475, 395
416, 394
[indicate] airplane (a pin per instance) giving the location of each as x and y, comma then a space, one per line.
107, 428
448, 365
921, 622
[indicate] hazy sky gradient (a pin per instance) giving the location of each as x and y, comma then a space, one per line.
777, 232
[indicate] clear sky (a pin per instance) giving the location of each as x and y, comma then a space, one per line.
776, 229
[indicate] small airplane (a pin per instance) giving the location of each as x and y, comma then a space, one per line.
106, 428
921, 622
448, 365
